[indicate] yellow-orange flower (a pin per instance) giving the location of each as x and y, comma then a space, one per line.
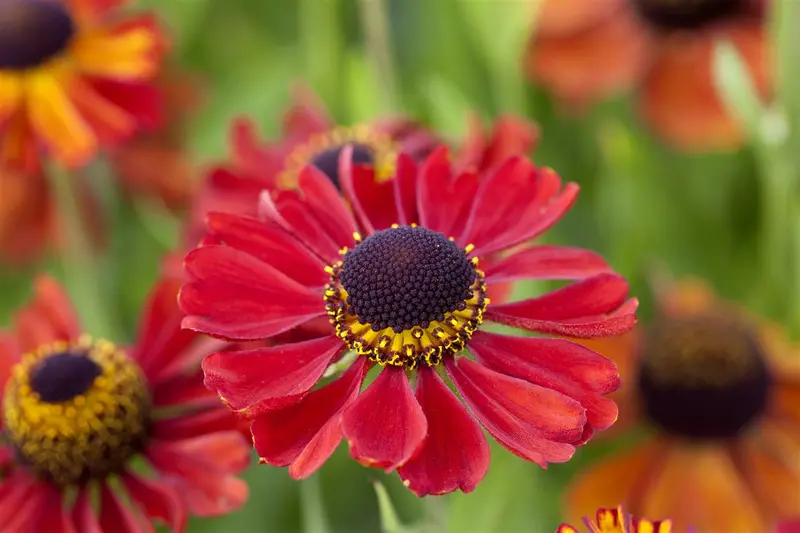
616, 521
717, 393
74, 77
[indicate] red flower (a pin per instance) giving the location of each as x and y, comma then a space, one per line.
74, 77
312, 137
405, 298
78, 413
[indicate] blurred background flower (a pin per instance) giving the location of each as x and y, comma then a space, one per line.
679, 119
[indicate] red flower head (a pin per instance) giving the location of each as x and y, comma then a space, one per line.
78, 413
74, 76
312, 137
397, 269
616, 521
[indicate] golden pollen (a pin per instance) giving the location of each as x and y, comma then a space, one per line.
703, 377
406, 295
76, 411
370, 147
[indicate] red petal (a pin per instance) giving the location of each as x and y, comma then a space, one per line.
594, 307
443, 200
307, 116
547, 262
263, 162
253, 381
455, 454
83, 515
201, 470
373, 441
372, 201
324, 200
49, 317
114, 516
789, 526
196, 424
536, 423
270, 244
18, 501
289, 211
160, 337
49, 511
405, 190
514, 204
233, 295
510, 136
156, 500
304, 435
185, 391
556, 364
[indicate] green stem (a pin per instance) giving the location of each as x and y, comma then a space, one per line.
314, 520
82, 273
321, 46
377, 34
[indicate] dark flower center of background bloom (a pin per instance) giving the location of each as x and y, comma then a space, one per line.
703, 377
75, 412
406, 276
63, 376
32, 31
686, 14
328, 160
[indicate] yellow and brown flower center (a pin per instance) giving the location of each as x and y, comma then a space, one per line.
370, 147
686, 14
703, 377
32, 31
405, 296
75, 412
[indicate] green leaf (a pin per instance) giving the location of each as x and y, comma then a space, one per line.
736, 88
390, 521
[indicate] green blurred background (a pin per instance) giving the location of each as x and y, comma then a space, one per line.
641, 205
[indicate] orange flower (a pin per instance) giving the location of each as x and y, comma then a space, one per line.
719, 395
615, 521
73, 77
583, 51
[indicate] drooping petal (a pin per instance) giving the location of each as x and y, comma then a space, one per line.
455, 454
49, 317
681, 78
533, 422
50, 515
252, 381
599, 61
547, 262
623, 478
444, 198
771, 472
114, 516
700, 487
373, 201
307, 116
156, 499
202, 470
17, 501
185, 390
510, 136
270, 244
515, 203
83, 515
375, 442
304, 435
187, 426
556, 364
260, 301
251, 156
594, 307
405, 190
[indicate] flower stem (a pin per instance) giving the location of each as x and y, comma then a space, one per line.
375, 21
81, 270
314, 519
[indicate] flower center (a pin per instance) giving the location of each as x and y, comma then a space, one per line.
370, 147
406, 295
76, 411
32, 31
686, 14
703, 377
